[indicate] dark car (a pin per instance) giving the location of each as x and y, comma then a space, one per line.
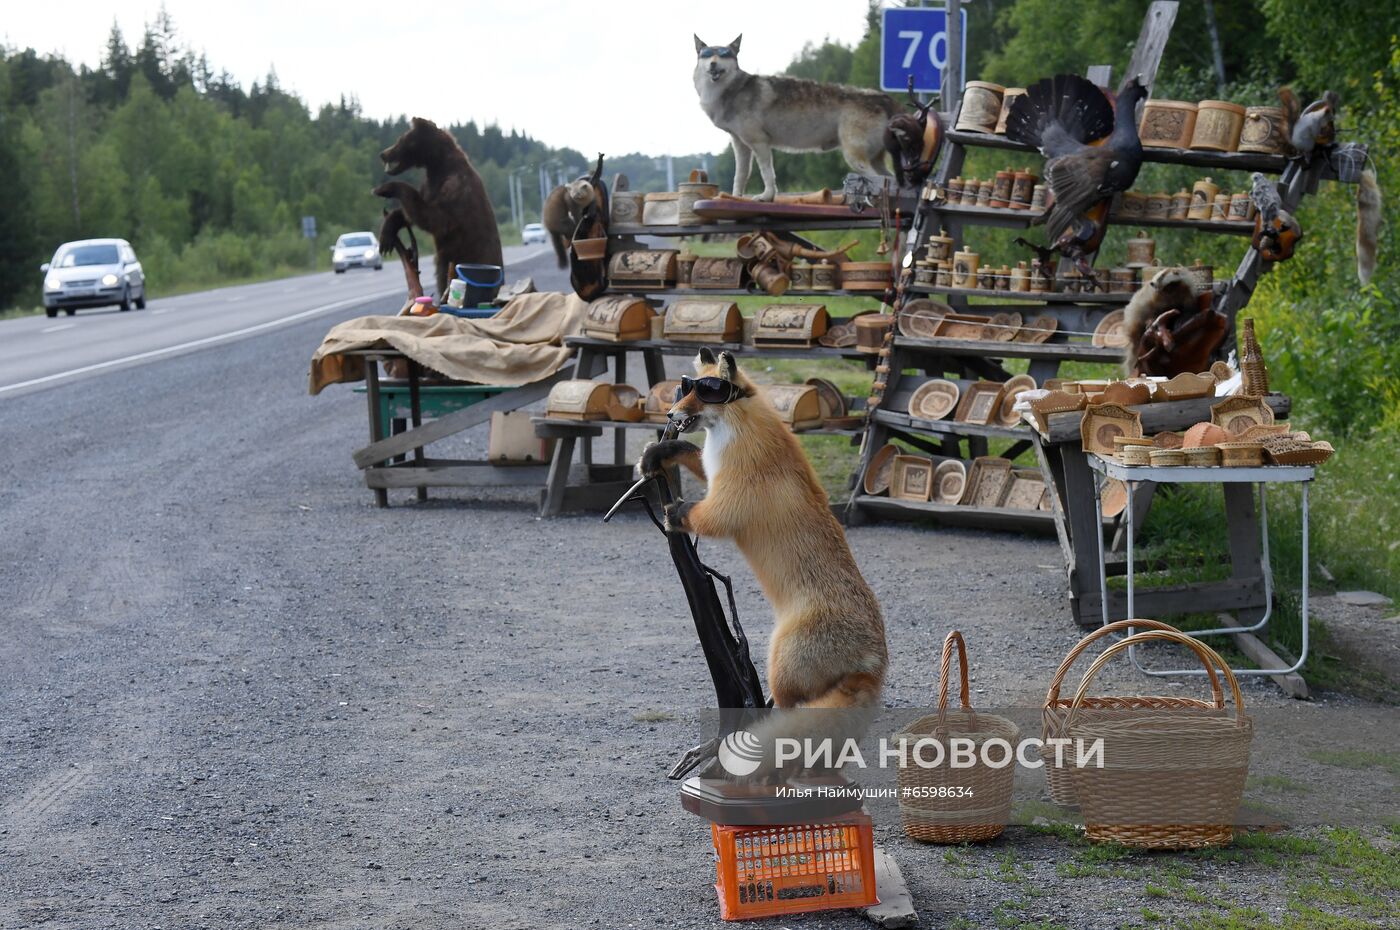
93, 273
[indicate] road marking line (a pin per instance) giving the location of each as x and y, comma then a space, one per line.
207, 340
54, 329
159, 311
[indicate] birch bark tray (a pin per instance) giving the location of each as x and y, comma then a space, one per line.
878, 473
980, 403
1236, 414
986, 482
933, 400
1102, 422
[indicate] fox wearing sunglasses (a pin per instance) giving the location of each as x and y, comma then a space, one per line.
828, 646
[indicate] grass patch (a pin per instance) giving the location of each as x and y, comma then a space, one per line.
1358, 759
653, 716
1277, 783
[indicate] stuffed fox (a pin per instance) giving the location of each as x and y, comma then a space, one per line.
828, 646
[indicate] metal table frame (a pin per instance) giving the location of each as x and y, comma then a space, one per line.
1134, 475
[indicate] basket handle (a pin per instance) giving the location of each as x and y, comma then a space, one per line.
944, 666
1053, 694
1208, 656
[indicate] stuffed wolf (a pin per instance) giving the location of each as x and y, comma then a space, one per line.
763, 113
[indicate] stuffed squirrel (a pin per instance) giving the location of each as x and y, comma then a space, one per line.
1170, 328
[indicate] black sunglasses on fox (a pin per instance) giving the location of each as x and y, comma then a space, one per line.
721, 52
709, 390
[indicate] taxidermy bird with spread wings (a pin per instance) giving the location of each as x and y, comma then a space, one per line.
1093, 152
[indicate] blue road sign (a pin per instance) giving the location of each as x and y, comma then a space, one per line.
914, 40
308, 227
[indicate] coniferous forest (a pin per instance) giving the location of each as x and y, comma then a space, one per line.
208, 179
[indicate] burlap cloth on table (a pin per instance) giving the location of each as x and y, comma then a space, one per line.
521, 344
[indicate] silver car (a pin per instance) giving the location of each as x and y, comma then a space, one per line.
356, 250
93, 273
533, 232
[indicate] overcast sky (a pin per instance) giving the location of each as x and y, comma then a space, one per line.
611, 76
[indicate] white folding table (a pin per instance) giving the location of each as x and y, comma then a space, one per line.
1262, 476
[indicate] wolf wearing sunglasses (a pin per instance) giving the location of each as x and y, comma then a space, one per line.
766, 112
828, 645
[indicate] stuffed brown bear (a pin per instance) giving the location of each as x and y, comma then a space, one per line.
451, 205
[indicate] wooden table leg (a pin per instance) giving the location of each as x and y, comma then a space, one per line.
1083, 523
376, 419
620, 435
558, 477
1242, 526
415, 407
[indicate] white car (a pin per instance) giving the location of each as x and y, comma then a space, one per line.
356, 250
93, 273
533, 232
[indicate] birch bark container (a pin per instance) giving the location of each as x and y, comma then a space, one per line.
1167, 124
1218, 126
981, 107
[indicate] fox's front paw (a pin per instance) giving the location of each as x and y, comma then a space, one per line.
674, 514
658, 456
766, 196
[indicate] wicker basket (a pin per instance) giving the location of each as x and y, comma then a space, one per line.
1056, 709
943, 804
1168, 779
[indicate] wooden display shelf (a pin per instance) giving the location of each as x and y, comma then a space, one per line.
738, 227
1232, 227
666, 347
788, 297
987, 216
1048, 297
1234, 161
996, 518
1056, 351
948, 427
552, 426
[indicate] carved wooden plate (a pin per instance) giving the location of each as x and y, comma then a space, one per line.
1038, 330
1111, 333
1010, 390
1003, 327
919, 318
878, 472
934, 400
949, 481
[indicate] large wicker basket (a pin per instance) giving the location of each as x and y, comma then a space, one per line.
1168, 778
943, 804
1056, 709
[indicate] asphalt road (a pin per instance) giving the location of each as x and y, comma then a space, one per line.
37, 351
236, 694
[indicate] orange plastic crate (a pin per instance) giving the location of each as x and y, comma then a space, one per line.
795, 868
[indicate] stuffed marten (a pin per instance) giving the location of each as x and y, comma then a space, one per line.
1170, 328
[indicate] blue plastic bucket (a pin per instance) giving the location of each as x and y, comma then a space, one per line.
483, 282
